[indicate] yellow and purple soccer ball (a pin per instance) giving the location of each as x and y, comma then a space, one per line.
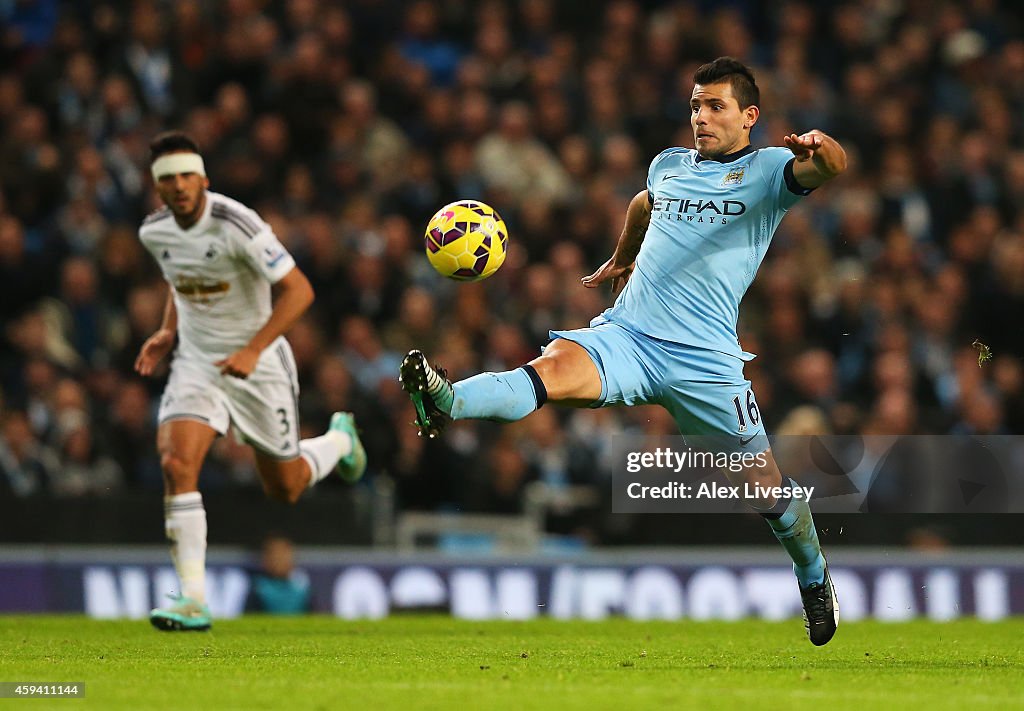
466, 240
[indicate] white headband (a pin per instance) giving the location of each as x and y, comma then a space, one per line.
177, 163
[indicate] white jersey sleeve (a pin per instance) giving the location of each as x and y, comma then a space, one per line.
254, 241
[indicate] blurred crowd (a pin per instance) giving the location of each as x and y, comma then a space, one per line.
347, 125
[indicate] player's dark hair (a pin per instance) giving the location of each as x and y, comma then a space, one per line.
171, 142
739, 76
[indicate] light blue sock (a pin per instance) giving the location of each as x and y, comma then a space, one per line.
795, 530
504, 397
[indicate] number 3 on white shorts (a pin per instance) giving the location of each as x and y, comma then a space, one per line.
753, 414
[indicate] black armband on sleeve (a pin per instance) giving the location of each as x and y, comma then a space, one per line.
793, 186
650, 199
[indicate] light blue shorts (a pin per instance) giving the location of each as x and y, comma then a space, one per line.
704, 390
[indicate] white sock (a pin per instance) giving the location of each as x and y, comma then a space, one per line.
185, 523
323, 452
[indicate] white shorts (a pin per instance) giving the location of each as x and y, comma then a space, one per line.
263, 408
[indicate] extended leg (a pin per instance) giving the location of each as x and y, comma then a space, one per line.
564, 374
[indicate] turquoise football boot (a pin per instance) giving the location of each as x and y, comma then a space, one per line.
184, 615
352, 466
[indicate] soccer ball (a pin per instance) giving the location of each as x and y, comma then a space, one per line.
466, 240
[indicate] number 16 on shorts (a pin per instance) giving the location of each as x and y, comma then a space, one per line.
746, 411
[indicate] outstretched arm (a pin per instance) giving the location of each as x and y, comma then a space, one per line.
294, 295
620, 266
819, 157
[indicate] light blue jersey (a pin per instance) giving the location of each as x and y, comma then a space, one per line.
670, 338
711, 224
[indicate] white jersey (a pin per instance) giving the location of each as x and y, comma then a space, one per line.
220, 270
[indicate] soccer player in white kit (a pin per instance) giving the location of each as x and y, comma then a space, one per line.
232, 365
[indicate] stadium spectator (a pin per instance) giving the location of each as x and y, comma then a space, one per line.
28, 466
131, 431
84, 469
277, 588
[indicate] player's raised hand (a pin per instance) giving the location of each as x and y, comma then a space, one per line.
153, 350
239, 364
609, 270
804, 145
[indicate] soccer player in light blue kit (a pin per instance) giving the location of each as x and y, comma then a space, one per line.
691, 245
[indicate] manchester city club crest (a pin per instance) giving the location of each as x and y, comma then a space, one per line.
734, 176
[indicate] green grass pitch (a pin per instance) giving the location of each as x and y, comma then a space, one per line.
434, 662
